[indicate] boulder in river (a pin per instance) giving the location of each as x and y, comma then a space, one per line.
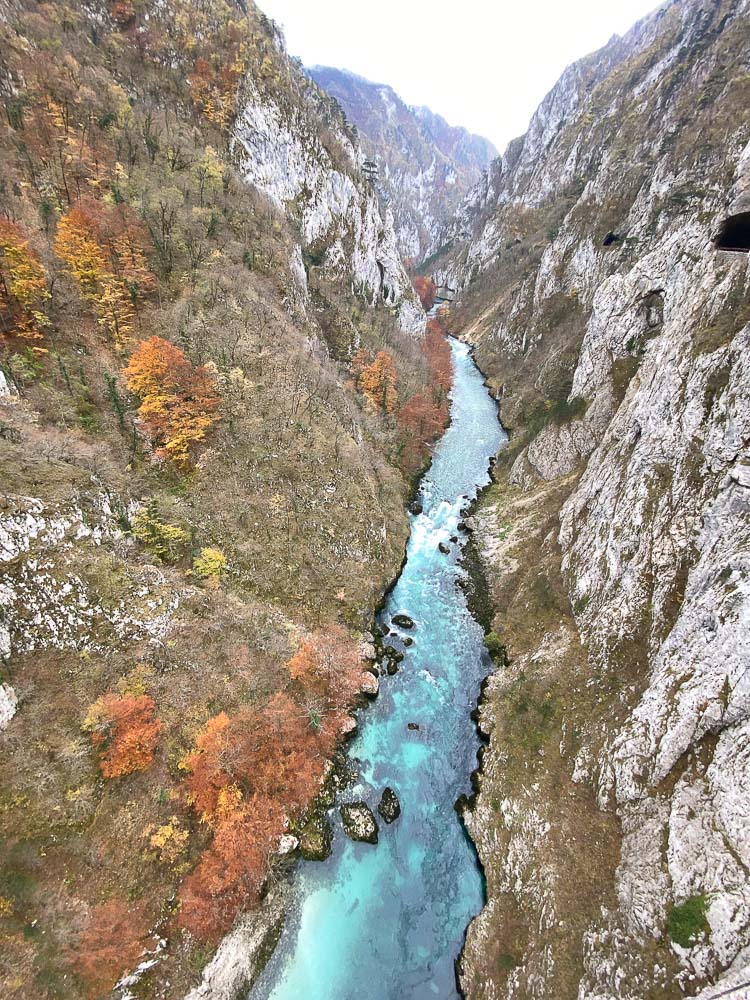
392, 668
359, 822
415, 507
413, 726
407, 640
389, 807
403, 621
444, 548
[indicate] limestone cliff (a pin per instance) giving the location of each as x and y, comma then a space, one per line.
612, 816
426, 167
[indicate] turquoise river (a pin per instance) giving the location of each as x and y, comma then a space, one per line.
387, 921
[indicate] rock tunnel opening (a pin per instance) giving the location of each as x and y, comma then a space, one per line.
734, 233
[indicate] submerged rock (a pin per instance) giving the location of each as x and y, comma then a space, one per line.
412, 725
315, 838
359, 822
403, 621
389, 806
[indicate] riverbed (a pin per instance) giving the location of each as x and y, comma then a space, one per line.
388, 921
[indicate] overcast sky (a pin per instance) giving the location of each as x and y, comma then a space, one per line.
480, 64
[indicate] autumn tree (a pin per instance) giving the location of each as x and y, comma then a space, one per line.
328, 672
232, 872
377, 379
420, 421
436, 350
23, 286
425, 289
247, 772
105, 251
179, 400
124, 731
112, 940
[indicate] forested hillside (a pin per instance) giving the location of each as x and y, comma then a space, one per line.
213, 396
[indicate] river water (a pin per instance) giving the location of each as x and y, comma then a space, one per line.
387, 922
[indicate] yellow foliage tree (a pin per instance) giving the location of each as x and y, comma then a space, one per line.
104, 250
377, 380
77, 246
178, 399
23, 286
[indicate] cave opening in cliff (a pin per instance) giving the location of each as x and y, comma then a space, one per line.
734, 233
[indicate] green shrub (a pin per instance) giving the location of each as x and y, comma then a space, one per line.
494, 644
686, 922
165, 541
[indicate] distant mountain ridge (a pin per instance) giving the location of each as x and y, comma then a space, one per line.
426, 165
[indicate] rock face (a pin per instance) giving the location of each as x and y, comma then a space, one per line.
615, 784
342, 229
359, 822
389, 806
426, 166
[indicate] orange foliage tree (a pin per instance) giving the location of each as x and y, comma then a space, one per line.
112, 941
23, 285
328, 673
424, 415
425, 289
377, 379
124, 731
250, 770
105, 250
178, 399
438, 354
420, 420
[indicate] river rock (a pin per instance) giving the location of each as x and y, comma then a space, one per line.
389, 806
403, 621
407, 640
462, 526
315, 838
392, 668
359, 822
370, 684
414, 726
444, 548
415, 507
